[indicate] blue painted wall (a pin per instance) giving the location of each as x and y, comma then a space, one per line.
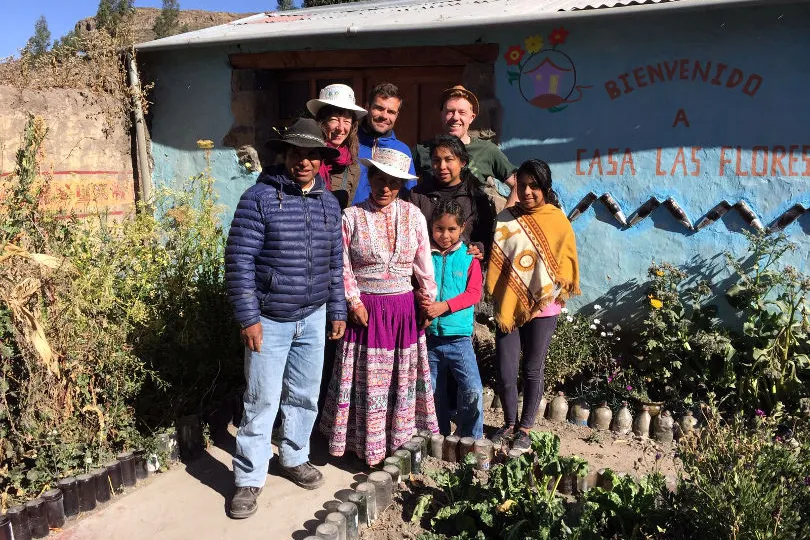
192, 101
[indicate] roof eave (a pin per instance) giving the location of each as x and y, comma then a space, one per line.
177, 42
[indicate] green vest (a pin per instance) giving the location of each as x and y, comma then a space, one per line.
451, 280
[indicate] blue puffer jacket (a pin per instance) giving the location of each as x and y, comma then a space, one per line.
284, 257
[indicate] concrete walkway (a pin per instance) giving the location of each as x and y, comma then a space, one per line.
189, 502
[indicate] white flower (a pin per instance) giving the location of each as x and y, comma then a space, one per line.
593, 327
569, 318
564, 310
597, 307
618, 338
596, 321
603, 334
88, 460
610, 333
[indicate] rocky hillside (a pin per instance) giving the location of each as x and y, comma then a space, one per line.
144, 19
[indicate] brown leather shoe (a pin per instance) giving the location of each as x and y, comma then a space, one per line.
305, 475
244, 502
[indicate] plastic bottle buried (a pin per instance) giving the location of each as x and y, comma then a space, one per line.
451, 448
558, 410
641, 424
662, 429
465, 447
601, 417
484, 454
623, 422
579, 413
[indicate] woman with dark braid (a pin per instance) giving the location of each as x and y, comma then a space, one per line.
533, 270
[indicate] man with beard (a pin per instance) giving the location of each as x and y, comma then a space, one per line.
459, 107
377, 131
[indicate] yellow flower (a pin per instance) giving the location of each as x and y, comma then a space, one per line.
505, 506
205, 144
534, 44
659, 273
656, 303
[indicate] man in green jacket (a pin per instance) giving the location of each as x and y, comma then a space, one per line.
459, 107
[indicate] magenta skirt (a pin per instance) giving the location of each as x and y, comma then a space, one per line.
380, 392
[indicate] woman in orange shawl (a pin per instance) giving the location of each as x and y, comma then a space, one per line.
533, 270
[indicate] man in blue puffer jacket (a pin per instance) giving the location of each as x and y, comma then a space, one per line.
284, 271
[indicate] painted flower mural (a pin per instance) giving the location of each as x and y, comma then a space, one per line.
546, 77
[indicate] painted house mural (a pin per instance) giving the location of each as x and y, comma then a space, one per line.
669, 132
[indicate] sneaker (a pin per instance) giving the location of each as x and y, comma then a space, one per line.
504, 434
243, 503
305, 475
522, 441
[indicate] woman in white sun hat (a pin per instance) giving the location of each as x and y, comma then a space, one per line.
380, 390
339, 117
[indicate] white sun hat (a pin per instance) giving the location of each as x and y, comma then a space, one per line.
338, 95
391, 162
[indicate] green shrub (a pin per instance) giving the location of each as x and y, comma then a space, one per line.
110, 330
581, 343
745, 479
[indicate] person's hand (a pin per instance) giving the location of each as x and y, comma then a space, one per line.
358, 315
475, 251
436, 309
425, 323
511, 181
422, 298
338, 329
252, 337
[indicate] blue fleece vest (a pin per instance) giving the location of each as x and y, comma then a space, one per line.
451, 279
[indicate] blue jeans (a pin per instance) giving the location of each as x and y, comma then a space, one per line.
286, 373
456, 354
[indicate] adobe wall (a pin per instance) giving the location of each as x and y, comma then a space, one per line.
86, 153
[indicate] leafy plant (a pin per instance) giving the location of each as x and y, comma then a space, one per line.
683, 349
518, 501
772, 352
745, 478
110, 330
581, 343
629, 509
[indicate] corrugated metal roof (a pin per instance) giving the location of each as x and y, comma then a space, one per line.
409, 15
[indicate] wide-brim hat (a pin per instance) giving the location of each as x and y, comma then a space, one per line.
461, 92
304, 133
391, 162
337, 95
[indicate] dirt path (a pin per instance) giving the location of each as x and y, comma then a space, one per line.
189, 501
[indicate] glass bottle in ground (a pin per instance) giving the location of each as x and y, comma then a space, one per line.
37, 518
87, 492
54, 508
101, 480
114, 470
70, 495
6, 531
127, 460
19, 522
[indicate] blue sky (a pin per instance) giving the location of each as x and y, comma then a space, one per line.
17, 23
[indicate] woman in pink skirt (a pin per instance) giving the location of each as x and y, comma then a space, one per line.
380, 391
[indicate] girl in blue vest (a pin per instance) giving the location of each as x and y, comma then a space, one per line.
459, 281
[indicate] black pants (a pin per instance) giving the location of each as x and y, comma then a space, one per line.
533, 339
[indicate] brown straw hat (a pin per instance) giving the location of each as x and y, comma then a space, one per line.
461, 92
